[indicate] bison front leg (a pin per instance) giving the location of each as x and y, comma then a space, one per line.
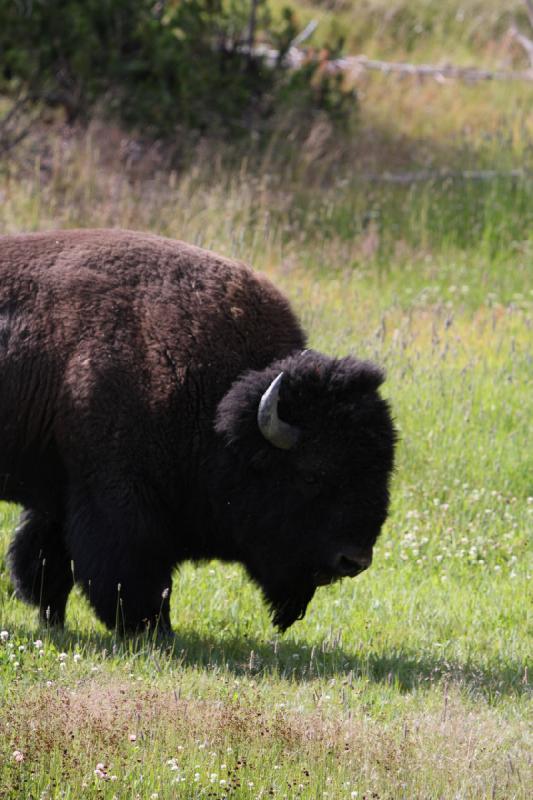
40, 566
119, 561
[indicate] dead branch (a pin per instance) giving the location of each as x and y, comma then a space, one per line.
295, 58
308, 31
522, 40
446, 71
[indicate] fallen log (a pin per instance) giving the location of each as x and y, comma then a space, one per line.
442, 72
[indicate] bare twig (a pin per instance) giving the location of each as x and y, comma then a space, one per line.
308, 31
529, 6
522, 40
520, 37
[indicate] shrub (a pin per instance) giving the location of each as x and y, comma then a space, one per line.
156, 65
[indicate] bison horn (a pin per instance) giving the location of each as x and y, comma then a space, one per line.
275, 431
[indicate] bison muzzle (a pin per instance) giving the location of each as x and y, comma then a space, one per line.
157, 404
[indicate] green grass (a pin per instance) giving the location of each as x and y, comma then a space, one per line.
410, 681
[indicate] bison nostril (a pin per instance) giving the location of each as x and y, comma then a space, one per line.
352, 564
365, 560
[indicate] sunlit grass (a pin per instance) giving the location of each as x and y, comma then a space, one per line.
467, 30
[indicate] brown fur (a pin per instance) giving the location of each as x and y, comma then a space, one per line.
131, 369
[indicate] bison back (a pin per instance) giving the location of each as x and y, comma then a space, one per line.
116, 347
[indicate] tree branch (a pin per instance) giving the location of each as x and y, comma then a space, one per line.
295, 58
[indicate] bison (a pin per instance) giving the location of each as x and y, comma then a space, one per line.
157, 404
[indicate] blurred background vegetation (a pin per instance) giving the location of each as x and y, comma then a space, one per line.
160, 66
162, 98
176, 70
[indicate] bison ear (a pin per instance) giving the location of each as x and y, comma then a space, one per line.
363, 376
274, 429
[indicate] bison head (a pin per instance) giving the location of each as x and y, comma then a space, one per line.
308, 447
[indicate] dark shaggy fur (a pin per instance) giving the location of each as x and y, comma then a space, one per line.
131, 369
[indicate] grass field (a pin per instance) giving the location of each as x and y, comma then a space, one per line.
464, 30
413, 680
410, 681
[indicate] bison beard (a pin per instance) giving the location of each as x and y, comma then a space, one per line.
157, 405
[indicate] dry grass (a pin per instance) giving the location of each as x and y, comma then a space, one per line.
129, 727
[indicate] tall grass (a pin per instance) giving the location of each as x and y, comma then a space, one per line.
429, 235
